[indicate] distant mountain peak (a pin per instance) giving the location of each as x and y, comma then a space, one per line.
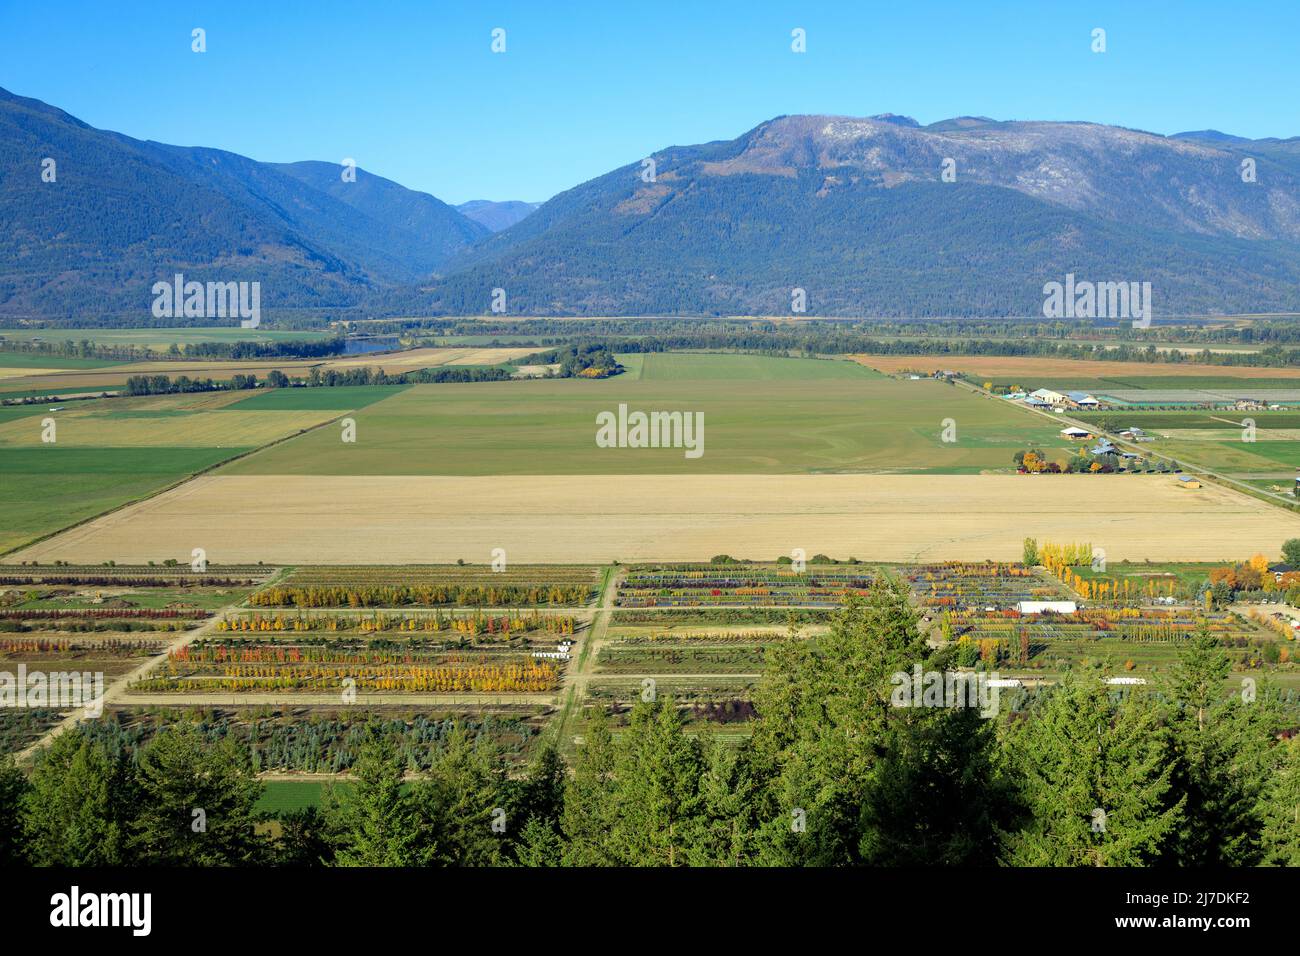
896, 118
1211, 135
496, 215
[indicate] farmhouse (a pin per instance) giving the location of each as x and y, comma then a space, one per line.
1048, 607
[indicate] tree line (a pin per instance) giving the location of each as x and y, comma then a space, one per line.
833, 774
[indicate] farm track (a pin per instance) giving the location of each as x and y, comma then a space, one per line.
576, 677
117, 690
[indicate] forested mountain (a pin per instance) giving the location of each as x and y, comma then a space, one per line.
120, 214
857, 213
496, 215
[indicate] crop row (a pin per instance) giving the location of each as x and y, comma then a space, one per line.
470, 625
430, 595
528, 676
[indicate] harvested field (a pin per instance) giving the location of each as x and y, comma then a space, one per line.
997, 366
414, 359
164, 428
600, 518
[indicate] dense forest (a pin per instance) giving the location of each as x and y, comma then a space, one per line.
835, 774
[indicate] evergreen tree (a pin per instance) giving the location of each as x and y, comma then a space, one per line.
940, 795
823, 709
463, 800
727, 832
589, 798
538, 801
1221, 751
657, 804
305, 839
13, 788
1095, 779
197, 800
80, 805
377, 822
1281, 836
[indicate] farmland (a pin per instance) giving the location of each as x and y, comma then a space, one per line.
106, 452
832, 416
599, 518
162, 339
377, 598
1221, 440
1033, 371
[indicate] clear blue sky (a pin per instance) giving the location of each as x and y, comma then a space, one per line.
412, 91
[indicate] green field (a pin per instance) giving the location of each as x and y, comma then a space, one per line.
113, 451
36, 360
311, 399
46, 488
161, 339
281, 796
762, 415
1217, 442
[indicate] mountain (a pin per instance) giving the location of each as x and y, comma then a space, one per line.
496, 215
123, 213
855, 211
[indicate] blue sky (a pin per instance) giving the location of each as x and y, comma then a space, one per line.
412, 91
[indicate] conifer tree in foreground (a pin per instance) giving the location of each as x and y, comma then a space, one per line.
1095, 778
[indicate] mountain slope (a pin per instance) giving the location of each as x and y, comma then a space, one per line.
124, 213
855, 212
496, 215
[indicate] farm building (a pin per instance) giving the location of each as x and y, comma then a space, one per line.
1082, 400
1102, 447
1076, 434
1048, 397
1187, 481
1041, 607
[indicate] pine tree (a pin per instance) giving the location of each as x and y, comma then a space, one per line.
1281, 837
1221, 754
377, 823
80, 804
657, 804
197, 801
1095, 779
589, 798
13, 788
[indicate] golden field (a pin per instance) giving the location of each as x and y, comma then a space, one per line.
599, 518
